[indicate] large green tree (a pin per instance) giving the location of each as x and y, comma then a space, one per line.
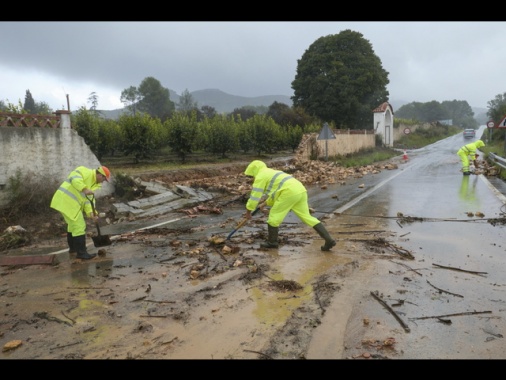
340, 79
155, 99
129, 97
497, 107
461, 113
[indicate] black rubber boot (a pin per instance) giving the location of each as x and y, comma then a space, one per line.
80, 245
272, 240
322, 231
70, 242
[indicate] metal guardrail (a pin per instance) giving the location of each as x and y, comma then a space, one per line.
498, 160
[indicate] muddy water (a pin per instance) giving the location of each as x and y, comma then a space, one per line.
139, 301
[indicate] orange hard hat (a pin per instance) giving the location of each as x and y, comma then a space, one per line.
105, 171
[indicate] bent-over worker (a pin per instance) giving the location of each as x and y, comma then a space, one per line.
468, 152
71, 200
283, 193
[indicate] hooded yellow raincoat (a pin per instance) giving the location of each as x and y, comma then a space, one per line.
71, 202
467, 152
281, 191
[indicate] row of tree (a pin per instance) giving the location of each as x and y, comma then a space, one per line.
141, 136
457, 111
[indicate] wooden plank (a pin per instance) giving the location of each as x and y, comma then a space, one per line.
27, 260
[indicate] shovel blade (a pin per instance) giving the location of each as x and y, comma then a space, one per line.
101, 240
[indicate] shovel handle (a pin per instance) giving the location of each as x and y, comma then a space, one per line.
92, 202
245, 220
98, 229
94, 213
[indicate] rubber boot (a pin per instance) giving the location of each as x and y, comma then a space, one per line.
272, 240
82, 252
70, 242
329, 242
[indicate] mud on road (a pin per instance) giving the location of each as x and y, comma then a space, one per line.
180, 291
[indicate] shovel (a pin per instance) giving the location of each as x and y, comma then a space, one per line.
244, 221
99, 240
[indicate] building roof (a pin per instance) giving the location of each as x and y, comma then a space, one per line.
383, 107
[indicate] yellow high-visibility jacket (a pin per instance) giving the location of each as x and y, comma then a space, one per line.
69, 198
269, 183
470, 149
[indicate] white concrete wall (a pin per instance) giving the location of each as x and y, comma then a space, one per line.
50, 153
343, 145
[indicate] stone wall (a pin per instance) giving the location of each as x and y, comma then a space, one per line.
345, 143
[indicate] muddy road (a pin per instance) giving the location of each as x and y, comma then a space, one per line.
180, 291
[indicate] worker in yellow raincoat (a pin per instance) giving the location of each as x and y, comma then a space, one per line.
283, 193
71, 200
467, 152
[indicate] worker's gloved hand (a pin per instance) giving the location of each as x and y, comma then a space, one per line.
92, 216
88, 192
247, 214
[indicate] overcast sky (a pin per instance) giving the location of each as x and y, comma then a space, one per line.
425, 60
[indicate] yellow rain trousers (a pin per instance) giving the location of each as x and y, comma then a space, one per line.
283, 193
467, 152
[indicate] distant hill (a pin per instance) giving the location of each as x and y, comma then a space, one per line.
223, 102
219, 100
226, 103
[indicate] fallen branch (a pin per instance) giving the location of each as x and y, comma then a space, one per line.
169, 259
403, 324
155, 316
44, 315
363, 232
459, 270
403, 219
453, 315
380, 242
87, 287
221, 254
66, 316
259, 353
64, 346
444, 291
159, 301
408, 267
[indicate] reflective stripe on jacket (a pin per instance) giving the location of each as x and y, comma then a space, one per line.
69, 198
269, 183
470, 149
